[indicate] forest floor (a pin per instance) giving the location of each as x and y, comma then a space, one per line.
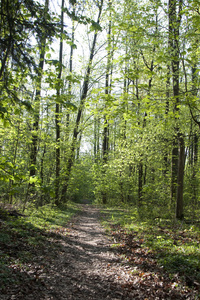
80, 262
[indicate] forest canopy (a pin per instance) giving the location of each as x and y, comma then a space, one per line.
99, 100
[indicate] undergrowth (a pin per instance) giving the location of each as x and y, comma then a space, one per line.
175, 245
25, 237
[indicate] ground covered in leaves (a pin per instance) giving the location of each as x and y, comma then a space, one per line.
79, 260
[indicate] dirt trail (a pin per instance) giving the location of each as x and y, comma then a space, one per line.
86, 265
78, 262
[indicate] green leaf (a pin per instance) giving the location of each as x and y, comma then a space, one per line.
72, 79
64, 100
48, 55
33, 179
95, 26
72, 44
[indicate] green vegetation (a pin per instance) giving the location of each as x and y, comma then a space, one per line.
111, 117
24, 239
174, 245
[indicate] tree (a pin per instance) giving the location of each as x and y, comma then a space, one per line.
57, 112
42, 45
136, 89
105, 145
84, 92
19, 21
178, 157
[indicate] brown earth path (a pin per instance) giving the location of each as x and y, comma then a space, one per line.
79, 263
86, 265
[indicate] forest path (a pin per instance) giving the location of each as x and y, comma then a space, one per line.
86, 267
77, 262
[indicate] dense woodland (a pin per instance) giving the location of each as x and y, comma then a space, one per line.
100, 101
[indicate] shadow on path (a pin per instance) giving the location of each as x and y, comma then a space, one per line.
80, 264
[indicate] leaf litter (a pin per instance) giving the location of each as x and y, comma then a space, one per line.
82, 261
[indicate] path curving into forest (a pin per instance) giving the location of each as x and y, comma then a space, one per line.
87, 267
78, 262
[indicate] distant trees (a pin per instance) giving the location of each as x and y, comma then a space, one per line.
123, 83
20, 22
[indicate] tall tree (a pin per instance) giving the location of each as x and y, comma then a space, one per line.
105, 146
175, 13
70, 160
57, 112
34, 145
19, 20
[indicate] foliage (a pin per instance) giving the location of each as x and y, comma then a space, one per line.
20, 21
81, 185
126, 98
25, 236
174, 246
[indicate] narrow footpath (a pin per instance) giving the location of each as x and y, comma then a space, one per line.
78, 262
87, 267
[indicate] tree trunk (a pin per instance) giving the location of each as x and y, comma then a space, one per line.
34, 144
181, 166
14, 162
174, 25
174, 171
57, 112
71, 66
42, 173
107, 92
166, 142
140, 184
140, 165
96, 138
70, 159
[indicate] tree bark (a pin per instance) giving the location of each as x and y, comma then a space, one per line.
34, 144
174, 25
70, 160
57, 112
105, 147
71, 65
181, 166
96, 138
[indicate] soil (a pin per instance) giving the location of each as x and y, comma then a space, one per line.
81, 264
84, 268
79, 268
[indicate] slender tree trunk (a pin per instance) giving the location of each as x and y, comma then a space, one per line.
174, 25
195, 139
105, 155
34, 145
140, 164
42, 173
142, 168
105, 149
57, 112
71, 66
96, 138
14, 162
181, 145
71, 157
140, 184
166, 142
178, 159
174, 171
181, 166
78, 146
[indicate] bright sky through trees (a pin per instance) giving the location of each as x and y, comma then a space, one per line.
112, 89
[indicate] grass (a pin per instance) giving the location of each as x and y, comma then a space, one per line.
175, 245
24, 239
51, 216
